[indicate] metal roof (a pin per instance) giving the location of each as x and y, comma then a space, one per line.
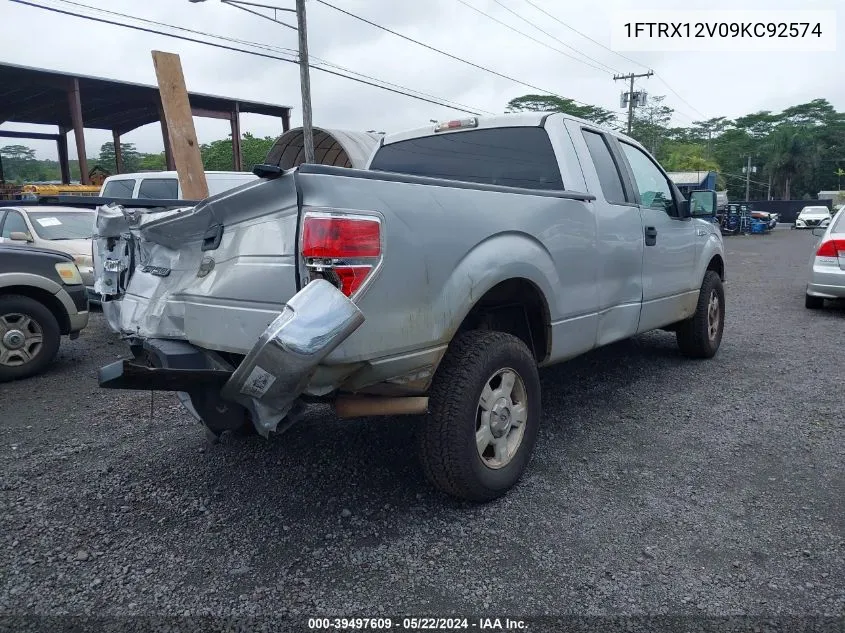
688, 177
341, 148
34, 95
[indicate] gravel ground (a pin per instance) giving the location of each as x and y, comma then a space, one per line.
659, 485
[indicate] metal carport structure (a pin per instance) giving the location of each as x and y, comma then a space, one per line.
74, 102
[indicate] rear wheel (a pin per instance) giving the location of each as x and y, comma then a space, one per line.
701, 334
29, 337
484, 414
813, 303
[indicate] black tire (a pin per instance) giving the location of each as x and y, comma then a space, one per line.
813, 303
447, 444
43, 321
694, 334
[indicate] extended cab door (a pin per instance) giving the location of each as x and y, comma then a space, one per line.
670, 289
619, 243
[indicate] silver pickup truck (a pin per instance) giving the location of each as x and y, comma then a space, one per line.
435, 282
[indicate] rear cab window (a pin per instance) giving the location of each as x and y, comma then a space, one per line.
119, 188
159, 189
607, 170
520, 157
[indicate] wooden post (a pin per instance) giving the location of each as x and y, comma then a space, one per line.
180, 125
165, 139
75, 103
64, 161
118, 152
286, 121
237, 157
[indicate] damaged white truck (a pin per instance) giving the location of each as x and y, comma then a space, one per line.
434, 282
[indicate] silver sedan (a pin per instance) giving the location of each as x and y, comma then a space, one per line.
827, 265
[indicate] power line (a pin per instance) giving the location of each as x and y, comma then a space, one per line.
281, 49
534, 39
556, 39
571, 28
672, 90
444, 53
405, 92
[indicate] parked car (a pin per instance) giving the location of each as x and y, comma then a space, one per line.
65, 229
827, 264
435, 282
164, 185
42, 297
811, 216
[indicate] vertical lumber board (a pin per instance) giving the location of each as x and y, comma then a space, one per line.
180, 125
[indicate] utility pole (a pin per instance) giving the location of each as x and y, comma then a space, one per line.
631, 77
250, 6
305, 82
748, 179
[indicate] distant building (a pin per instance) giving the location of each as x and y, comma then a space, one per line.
831, 195
689, 181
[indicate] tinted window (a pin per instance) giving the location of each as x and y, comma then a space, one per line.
119, 188
608, 172
159, 188
839, 223
511, 157
14, 223
652, 184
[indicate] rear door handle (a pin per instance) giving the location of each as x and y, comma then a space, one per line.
650, 236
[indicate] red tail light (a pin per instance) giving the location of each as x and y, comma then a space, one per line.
342, 249
339, 237
832, 248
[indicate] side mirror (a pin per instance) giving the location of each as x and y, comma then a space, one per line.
819, 231
702, 204
20, 236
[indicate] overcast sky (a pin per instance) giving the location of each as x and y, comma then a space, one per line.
728, 84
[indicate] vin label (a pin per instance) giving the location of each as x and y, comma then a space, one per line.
724, 31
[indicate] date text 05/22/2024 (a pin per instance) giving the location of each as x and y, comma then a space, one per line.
418, 624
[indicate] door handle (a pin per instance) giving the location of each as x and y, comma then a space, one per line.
650, 236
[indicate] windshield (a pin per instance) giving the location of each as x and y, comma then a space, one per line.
67, 225
814, 210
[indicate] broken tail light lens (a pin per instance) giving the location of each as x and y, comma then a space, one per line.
343, 249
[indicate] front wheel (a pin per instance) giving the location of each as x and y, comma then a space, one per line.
701, 334
29, 337
484, 414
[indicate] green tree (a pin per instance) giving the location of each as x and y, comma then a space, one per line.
108, 161
689, 157
152, 162
217, 155
17, 153
789, 154
651, 124
548, 103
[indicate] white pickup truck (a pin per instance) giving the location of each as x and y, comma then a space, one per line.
435, 282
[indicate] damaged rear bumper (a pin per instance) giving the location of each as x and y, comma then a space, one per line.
272, 375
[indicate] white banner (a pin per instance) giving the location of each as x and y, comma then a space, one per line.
723, 31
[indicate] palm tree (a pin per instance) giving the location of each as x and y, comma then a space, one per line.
789, 155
